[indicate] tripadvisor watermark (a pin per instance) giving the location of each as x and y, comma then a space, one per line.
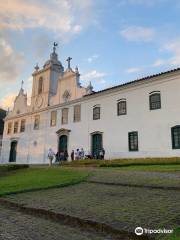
140, 231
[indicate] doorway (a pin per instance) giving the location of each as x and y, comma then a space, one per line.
63, 143
13, 151
96, 145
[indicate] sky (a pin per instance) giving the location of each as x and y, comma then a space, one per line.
111, 41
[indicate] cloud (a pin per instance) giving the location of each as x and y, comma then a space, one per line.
134, 70
10, 62
60, 16
92, 58
94, 75
159, 63
173, 48
141, 2
8, 101
138, 33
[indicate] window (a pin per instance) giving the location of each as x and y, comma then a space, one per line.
133, 141
22, 128
9, 128
40, 85
121, 107
155, 100
36, 122
53, 118
77, 113
96, 112
175, 134
66, 96
64, 119
15, 127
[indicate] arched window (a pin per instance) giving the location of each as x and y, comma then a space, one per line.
121, 107
96, 112
175, 134
40, 85
155, 100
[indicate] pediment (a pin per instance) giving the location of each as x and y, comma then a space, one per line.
63, 131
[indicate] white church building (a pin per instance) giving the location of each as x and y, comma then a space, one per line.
137, 119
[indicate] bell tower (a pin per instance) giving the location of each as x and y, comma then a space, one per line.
45, 81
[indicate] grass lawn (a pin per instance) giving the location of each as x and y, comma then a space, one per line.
39, 178
149, 164
161, 168
6, 169
175, 235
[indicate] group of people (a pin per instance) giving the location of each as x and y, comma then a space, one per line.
79, 154
59, 156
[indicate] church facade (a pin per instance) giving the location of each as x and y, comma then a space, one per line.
137, 119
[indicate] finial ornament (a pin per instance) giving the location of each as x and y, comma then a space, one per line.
69, 62
55, 45
89, 88
36, 67
22, 82
76, 69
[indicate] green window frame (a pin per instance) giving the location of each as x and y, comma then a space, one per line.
121, 107
133, 141
175, 135
155, 100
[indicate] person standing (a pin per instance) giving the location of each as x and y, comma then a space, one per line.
50, 156
61, 157
102, 153
66, 155
57, 156
72, 155
82, 153
77, 154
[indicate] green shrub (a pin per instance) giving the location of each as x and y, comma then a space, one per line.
11, 167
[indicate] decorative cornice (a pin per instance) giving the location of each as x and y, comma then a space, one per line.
128, 85
137, 81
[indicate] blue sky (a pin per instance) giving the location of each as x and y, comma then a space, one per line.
111, 41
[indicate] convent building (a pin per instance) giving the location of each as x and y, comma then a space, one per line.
136, 119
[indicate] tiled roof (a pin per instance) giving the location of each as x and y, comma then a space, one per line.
135, 81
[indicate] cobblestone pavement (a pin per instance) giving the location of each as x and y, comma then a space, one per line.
158, 179
18, 226
123, 208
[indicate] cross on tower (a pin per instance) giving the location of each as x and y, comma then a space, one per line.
55, 45
69, 62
